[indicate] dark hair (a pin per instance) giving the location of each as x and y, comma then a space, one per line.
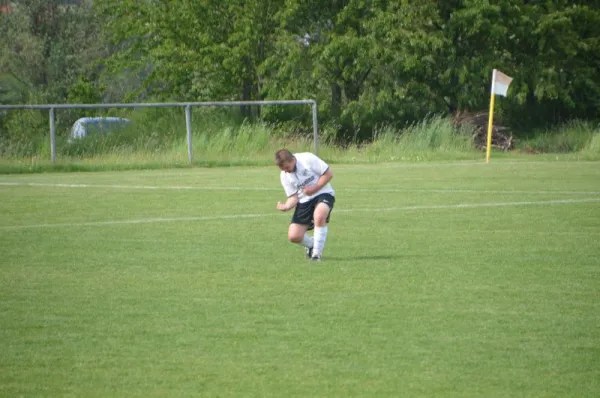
282, 156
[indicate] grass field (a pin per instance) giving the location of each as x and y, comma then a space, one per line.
449, 279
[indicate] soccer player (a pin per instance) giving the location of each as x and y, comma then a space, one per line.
305, 179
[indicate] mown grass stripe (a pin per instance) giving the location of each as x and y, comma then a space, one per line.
245, 216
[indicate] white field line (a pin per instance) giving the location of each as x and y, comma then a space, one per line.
134, 187
244, 216
350, 189
473, 205
491, 191
139, 221
466, 163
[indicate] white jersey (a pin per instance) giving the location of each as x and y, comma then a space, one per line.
309, 168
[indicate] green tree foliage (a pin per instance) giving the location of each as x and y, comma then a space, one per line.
324, 51
556, 62
47, 45
368, 63
193, 50
47, 49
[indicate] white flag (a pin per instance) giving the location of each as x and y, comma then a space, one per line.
500, 83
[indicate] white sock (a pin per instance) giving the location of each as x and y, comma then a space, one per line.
307, 241
320, 238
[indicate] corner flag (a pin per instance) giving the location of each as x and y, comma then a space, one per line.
500, 83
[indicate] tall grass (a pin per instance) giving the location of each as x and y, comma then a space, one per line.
573, 136
433, 138
157, 138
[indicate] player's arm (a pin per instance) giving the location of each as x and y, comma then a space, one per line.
289, 204
324, 179
321, 182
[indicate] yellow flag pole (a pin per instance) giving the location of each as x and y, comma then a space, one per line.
489, 133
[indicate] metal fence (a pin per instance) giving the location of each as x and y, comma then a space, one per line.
188, 115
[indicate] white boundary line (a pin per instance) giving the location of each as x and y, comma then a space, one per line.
355, 189
474, 205
491, 191
459, 163
137, 187
137, 221
244, 216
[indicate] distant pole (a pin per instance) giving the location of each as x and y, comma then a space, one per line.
188, 127
500, 83
52, 136
490, 127
315, 128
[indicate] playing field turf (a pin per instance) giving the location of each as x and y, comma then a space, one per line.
438, 279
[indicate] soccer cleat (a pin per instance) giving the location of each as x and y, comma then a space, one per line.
309, 252
316, 257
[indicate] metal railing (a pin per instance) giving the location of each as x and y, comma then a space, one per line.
188, 114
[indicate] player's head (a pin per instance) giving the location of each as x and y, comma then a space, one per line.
285, 160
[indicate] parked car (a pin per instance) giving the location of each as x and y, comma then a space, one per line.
87, 126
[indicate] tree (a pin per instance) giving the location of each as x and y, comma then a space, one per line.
324, 51
556, 63
201, 50
47, 46
366, 62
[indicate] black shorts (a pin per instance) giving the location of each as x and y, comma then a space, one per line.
304, 211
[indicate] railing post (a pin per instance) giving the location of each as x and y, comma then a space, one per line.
188, 115
52, 136
315, 128
188, 127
